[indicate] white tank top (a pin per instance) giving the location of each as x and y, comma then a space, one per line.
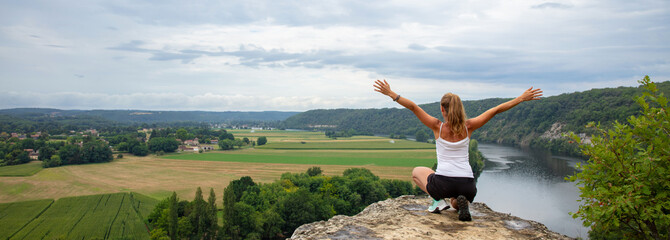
453, 157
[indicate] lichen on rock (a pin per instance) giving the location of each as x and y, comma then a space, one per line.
406, 217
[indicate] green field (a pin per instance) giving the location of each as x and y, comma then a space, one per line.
105, 216
333, 158
296, 147
13, 216
21, 170
372, 144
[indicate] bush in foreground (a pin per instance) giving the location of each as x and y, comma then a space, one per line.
624, 186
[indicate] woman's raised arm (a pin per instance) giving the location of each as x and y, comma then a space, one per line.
383, 87
528, 95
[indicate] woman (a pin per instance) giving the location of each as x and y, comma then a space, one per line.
454, 178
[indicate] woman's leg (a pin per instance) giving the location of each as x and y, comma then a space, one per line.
420, 177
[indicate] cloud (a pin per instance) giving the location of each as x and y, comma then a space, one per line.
305, 54
173, 101
417, 47
551, 5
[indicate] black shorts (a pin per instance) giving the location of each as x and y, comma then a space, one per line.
440, 187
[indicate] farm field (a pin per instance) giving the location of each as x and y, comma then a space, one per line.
359, 158
158, 177
21, 170
14, 216
104, 216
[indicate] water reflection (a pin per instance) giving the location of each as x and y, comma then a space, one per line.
531, 184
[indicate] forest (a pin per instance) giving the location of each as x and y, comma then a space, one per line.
523, 125
273, 210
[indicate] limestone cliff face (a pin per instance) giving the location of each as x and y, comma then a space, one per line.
406, 217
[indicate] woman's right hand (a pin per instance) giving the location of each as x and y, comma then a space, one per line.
383, 87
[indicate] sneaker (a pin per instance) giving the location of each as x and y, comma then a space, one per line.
438, 206
463, 209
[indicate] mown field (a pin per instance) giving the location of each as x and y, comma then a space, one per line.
104, 216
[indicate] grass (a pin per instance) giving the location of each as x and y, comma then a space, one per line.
21, 170
104, 216
349, 158
14, 216
372, 144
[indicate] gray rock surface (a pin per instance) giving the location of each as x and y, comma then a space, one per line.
406, 217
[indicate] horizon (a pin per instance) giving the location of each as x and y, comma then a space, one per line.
254, 111
297, 56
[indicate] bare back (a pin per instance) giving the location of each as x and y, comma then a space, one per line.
448, 135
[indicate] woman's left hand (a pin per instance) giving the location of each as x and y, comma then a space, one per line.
531, 94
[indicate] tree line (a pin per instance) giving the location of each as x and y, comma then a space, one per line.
522, 126
273, 210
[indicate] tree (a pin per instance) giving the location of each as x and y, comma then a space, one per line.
314, 171
225, 135
70, 154
229, 225
300, 207
96, 151
212, 210
421, 136
199, 216
140, 150
261, 141
624, 185
16, 156
238, 143
226, 144
54, 161
163, 144
475, 158
182, 134
173, 217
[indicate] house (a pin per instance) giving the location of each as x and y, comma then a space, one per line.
93, 132
193, 142
32, 154
186, 149
214, 141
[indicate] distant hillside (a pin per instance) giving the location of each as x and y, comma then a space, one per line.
535, 123
140, 116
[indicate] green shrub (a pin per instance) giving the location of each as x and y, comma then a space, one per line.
624, 186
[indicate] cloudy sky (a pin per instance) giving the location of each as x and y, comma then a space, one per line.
300, 55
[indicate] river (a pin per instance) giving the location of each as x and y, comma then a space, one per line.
531, 185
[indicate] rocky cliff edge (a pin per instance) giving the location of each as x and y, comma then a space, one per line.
406, 217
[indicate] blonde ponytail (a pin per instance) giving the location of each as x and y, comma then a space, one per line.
454, 113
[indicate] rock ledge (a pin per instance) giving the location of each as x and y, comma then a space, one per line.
406, 217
